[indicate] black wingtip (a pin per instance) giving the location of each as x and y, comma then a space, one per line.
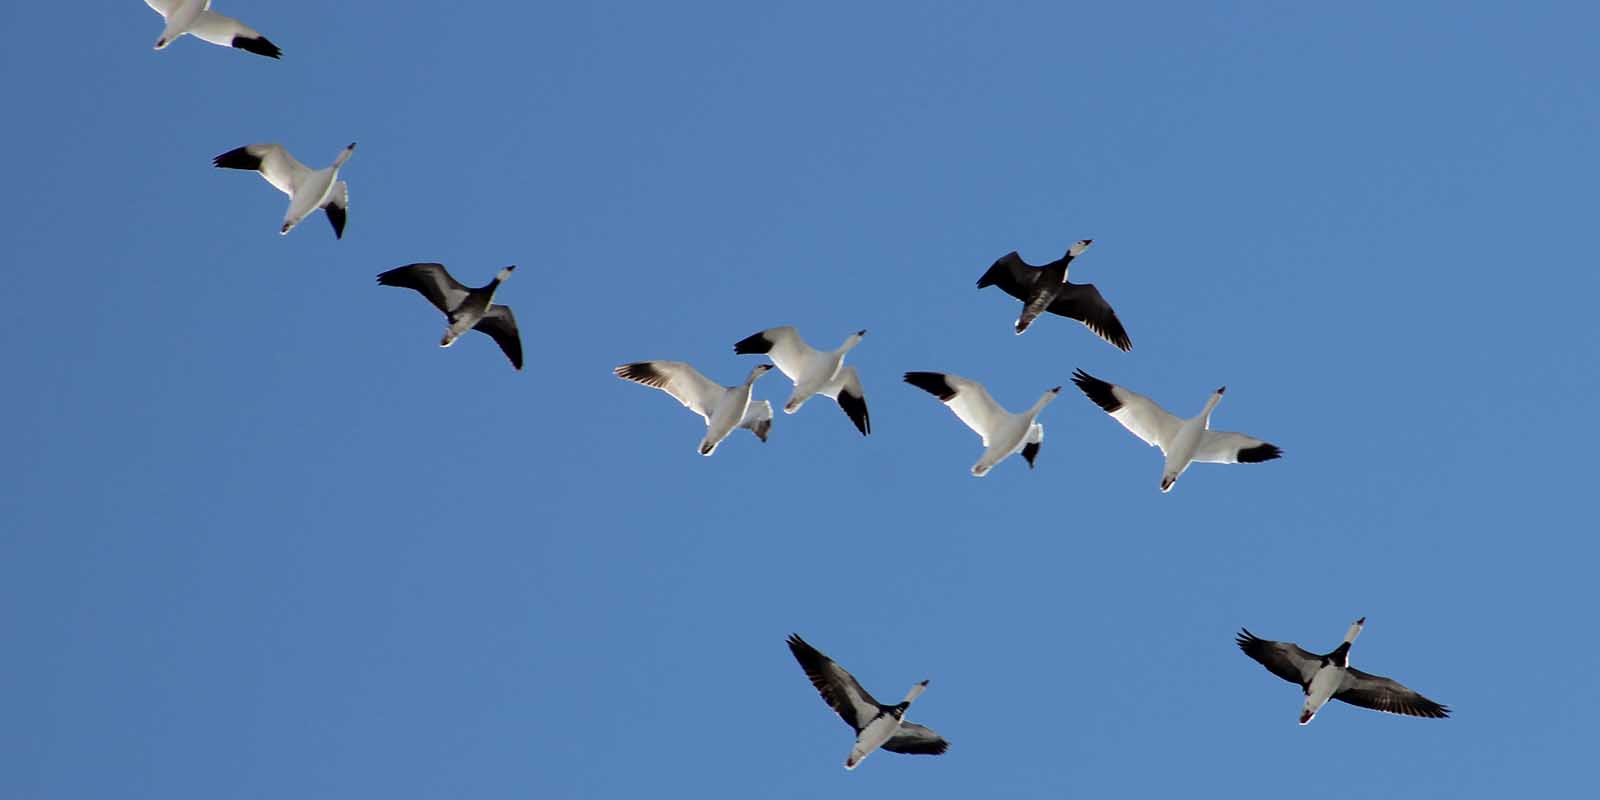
1097, 390
754, 344
237, 158
336, 217
1259, 453
933, 383
258, 45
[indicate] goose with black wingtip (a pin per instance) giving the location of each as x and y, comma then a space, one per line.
724, 408
196, 18
308, 189
1330, 677
1003, 433
814, 372
1183, 441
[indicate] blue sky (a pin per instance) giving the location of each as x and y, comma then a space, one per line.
261, 538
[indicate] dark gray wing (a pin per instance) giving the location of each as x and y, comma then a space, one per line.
838, 688
1013, 275
916, 740
501, 326
1282, 659
429, 279
1384, 694
1082, 302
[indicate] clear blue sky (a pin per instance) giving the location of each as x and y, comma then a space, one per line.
261, 538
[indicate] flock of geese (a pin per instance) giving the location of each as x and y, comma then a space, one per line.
813, 372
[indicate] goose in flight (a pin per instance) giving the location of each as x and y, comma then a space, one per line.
1183, 441
1046, 288
876, 725
1003, 432
195, 18
466, 309
723, 407
812, 371
1330, 676
308, 189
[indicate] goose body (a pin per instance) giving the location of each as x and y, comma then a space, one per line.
724, 408
196, 18
813, 372
1046, 288
1330, 677
308, 189
1182, 441
464, 308
876, 725
1003, 433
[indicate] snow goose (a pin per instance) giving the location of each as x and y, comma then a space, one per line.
308, 189
813, 372
1330, 676
1183, 441
723, 407
195, 18
876, 725
1003, 432
1046, 288
466, 309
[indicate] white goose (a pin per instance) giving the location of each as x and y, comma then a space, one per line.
723, 407
1330, 677
1183, 441
308, 189
195, 18
813, 372
876, 725
1003, 432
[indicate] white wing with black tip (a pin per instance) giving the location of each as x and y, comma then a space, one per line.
792, 356
967, 398
274, 163
1139, 414
229, 32
501, 326
1226, 447
1385, 694
338, 207
1283, 659
845, 389
685, 383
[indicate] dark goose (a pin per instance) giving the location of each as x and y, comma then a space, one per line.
466, 309
876, 725
1046, 288
1330, 676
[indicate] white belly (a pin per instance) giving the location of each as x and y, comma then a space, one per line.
872, 737
1323, 685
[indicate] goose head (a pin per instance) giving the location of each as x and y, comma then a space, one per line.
912, 695
1078, 247
1045, 398
1355, 630
852, 340
760, 369
1211, 403
344, 155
